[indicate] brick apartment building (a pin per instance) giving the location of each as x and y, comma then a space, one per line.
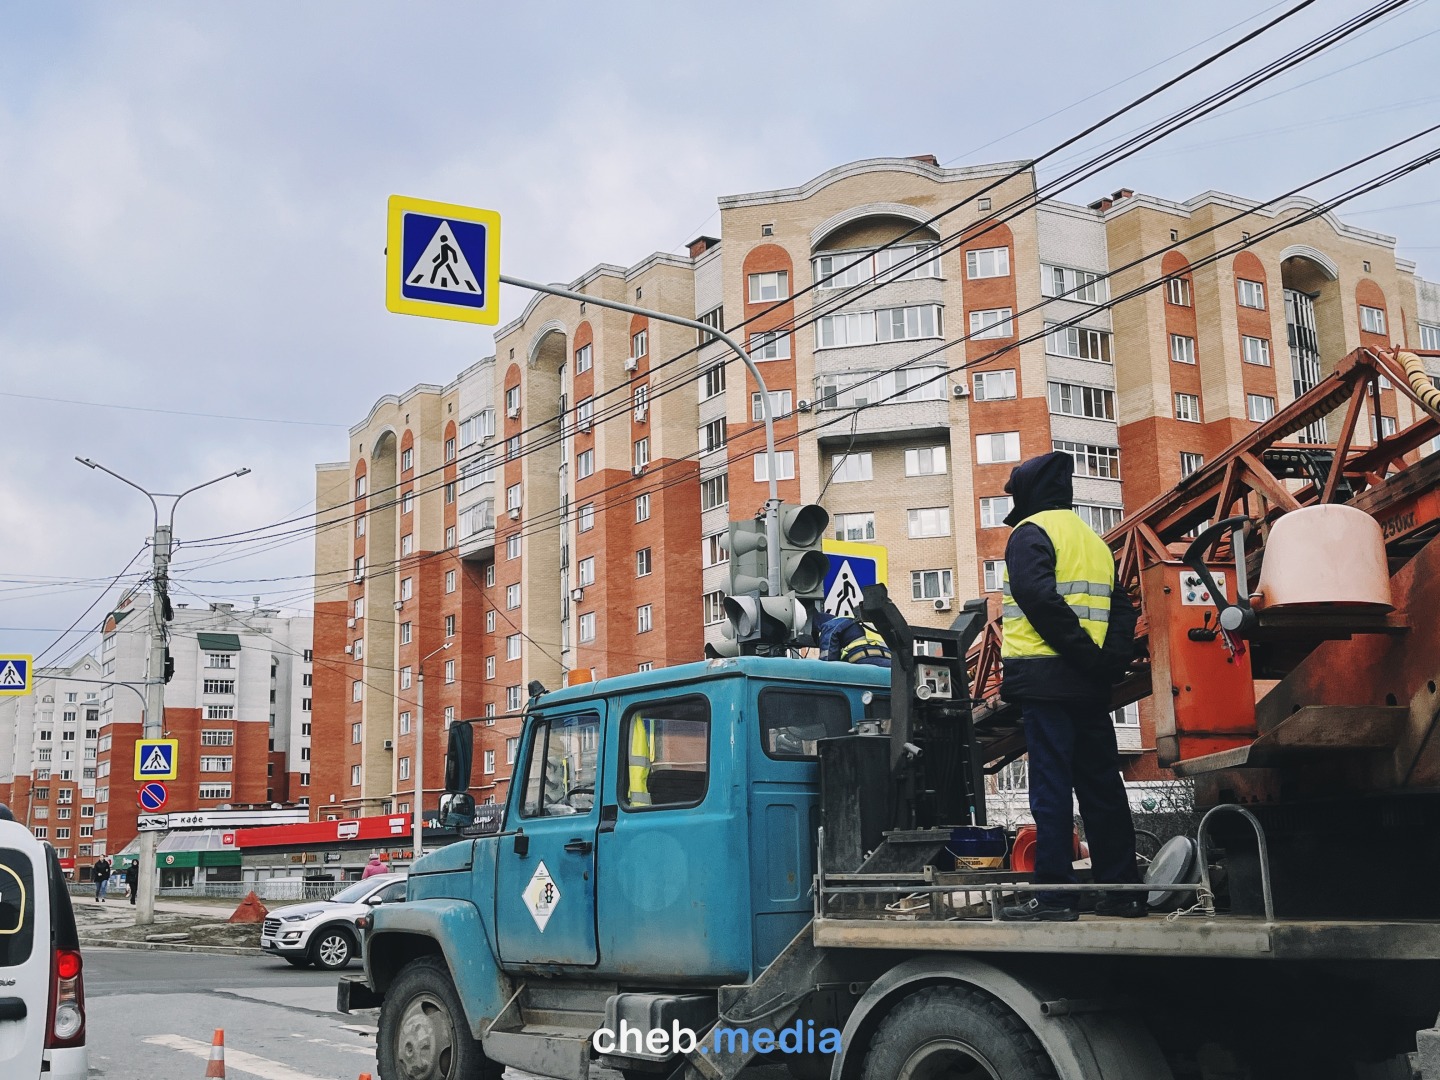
568, 494
239, 703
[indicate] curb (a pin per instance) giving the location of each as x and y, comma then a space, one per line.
165, 946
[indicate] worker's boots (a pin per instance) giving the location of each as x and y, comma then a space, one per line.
1038, 910
1134, 905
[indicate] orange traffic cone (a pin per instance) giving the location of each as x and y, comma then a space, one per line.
364, 1076
251, 910
216, 1068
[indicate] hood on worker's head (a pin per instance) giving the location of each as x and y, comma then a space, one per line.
1042, 483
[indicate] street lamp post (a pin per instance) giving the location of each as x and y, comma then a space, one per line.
154, 722
417, 844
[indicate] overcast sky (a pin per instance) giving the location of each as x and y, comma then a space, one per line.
192, 202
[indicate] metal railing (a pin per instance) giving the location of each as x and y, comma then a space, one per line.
269, 889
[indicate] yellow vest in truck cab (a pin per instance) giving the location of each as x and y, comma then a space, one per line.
642, 756
1084, 577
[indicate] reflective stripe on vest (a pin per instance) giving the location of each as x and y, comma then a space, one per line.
642, 754
1084, 576
871, 646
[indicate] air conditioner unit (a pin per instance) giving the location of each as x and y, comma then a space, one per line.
349, 649
585, 425
577, 595
360, 578
637, 470
631, 363
513, 414
942, 604
960, 390
640, 414
389, 744
350, 623
803, 406
515, 513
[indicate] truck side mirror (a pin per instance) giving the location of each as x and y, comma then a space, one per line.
458, 756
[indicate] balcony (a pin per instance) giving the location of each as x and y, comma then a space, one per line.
477, 530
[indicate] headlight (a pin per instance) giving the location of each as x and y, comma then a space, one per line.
295, 918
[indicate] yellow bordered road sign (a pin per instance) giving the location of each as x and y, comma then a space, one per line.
442, 260
15, 671
853, 565
157, 759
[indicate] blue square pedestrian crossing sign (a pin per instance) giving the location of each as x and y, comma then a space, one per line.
15, 674
157, 759
442, 261
853, 565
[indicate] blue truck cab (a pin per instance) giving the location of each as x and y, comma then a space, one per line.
658, 844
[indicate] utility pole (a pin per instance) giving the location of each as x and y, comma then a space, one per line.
419, 807
160, 613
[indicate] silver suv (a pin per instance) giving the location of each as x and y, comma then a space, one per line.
323, 932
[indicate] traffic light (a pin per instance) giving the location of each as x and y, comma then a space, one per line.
803, 562
728, 646
749, 561
169, 666
770, 624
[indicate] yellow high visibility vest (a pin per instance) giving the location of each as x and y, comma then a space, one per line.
1084, 576
642, 754
862, 648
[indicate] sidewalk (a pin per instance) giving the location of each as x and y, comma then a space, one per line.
113, 922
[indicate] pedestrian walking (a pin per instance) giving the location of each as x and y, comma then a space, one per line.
375, 865
132, 879
1069, 635
101, 872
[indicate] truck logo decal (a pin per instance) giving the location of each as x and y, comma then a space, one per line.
541, 896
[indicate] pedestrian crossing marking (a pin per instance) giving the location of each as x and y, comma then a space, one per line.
156, 762
442, 265
15, 674
844, 595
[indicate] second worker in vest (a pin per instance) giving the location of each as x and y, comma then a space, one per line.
1069, 635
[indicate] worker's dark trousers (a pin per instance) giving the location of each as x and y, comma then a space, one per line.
1072, 748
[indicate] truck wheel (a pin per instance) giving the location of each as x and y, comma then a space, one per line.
423, 1034
954, 1033
332, 948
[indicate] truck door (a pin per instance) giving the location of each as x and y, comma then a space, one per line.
545, 880
24, 951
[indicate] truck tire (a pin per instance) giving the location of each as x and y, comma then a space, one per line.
423, 1034
953, 1031
332, 948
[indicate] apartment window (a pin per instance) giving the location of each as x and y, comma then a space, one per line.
851, 468
712, 436
354, 780
407, 678
513, 699
584, 464
1255, 350
1078, 342
1182, 349
1259, 407
489, 762
587, 626
712, 382
641, 401
407, 459
512, 747
767, 287
305, 704
489, 667
714, 607
585, 414
713, 551
360, 526
360, 487
405, 633
481, 425
512, 448
1252, 294
902, 262
407, 544
925, 461
449, 671
643, 563
995, 385
1372, 319
216, 764
1429, 336
642, 452
586, 518
512, 647
219, 686
359, 608
1177, 291
218, 712
449, 449
490, 575
987, 263
886, 324
1085, 286
450, 536
407, 588
780, 405
991, 323
584, 358
644, 619
512, 546
217, 660
1190, 463
404, 768
216, 737
993, 509
512, 400
1102, 462
357, 731
715, 492
856, 526
587, 571
997, 447
993, 575
1187, 407
1073, 399
449, 716
714, 318
929, 521
769, 346
784, 465
512, 497
404, 723
1100, 518
855, 389
1386, 429
642, 509
639, 344
931, 584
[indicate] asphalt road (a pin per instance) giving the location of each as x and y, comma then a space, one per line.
151, 1016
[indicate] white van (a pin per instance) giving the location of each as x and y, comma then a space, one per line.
42, 993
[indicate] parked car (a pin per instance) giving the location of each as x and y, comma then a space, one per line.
323, 932
42, 992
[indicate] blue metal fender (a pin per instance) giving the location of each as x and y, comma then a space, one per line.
453, 929
1090, 1046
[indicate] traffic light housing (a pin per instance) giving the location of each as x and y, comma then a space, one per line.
169, 666
767, 624
803, 562
749, 559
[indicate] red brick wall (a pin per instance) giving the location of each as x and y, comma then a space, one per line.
330, 748
747, 438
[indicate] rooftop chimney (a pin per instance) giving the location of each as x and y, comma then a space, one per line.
702, 244
928, 159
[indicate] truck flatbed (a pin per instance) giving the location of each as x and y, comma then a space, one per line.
1194, 936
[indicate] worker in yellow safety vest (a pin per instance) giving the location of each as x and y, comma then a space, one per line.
1069, 635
